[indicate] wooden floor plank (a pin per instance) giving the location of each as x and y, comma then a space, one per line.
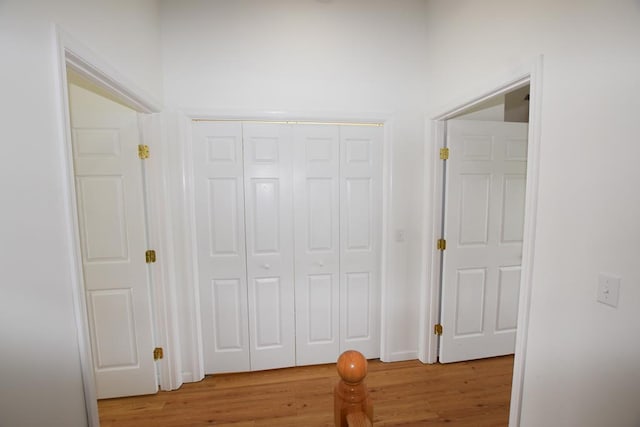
474, 393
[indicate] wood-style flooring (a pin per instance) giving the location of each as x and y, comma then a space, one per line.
474, 393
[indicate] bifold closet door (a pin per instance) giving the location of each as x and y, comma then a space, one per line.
244, 224
360, 238
269, 228
222, 267
317, 238
277, 205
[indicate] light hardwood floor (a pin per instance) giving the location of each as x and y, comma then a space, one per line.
472, 393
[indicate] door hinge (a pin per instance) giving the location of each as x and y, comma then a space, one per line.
150, 256
437, 329
442, 244
143, 151
158, 353
444, 153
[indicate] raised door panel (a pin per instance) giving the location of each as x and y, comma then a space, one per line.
220, 237
111, 317
317, 256
360, 209
111, 221
102, 219
228, 316
265, 214
358, 298
470, 298
269, 239
224, 217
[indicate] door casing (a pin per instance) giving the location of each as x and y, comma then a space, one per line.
72, 54
429, 313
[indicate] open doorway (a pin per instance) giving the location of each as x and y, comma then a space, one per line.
430, 305
112, 229
483, 202
110, 87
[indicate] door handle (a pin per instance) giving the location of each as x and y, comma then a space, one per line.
266, 266
320, 263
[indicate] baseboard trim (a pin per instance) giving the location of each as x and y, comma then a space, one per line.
400, 356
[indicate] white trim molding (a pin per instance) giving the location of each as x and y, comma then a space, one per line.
71, 54
89, 65
432, 222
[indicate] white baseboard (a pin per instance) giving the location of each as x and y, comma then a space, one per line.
399, 356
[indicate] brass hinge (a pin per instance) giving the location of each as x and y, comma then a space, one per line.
444, 153
150, 256
158, 353
442, 244
437, 329
143, 151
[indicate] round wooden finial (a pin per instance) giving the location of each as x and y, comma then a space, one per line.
352, 366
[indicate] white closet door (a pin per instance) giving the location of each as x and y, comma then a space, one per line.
111, 219
269, 225
360, 208
317, 238
222, 269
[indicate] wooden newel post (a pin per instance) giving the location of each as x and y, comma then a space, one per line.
351, 394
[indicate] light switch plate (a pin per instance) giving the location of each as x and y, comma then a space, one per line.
608, 289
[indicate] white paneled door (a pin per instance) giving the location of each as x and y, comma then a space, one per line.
288, 242
360, 239
111, 219
484, 218
269, 228
317, 241
222, 262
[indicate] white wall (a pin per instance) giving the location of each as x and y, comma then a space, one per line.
318, 57
583, 358
40, 375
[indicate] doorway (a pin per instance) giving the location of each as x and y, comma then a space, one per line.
531, 74
483, 199
73, 56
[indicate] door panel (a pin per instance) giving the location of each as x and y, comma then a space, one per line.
358, 294
269, 223
317, 257
360, 207
219, 196
508, 297
229, 311
113, 322
484, 218
111, 220
265, 234
103, 224
224, 225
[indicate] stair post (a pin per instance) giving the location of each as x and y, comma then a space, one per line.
351, 395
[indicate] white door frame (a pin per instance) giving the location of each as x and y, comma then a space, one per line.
71, 53
195, 354
432, 223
